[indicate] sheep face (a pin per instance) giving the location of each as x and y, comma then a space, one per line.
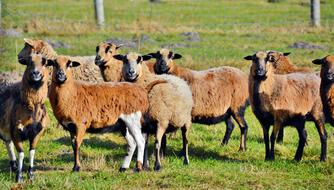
261, 65
36, 71
104, 53
30, 46
276, 56
164, 60
327, 68
132, 65
62, 69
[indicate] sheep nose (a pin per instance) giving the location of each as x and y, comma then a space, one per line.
35, 75
330, 76
98, 60
131, 71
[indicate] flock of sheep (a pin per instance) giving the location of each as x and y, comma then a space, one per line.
139, 98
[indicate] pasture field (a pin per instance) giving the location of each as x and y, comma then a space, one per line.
228, 30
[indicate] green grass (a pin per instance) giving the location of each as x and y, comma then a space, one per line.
229, 30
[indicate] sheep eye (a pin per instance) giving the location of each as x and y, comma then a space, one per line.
170, 55
107, 49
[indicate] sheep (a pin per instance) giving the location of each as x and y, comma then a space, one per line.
115, 104
218, 93
285, 99
283, 65
326, 86
170, 103
22, 113
111, 70
87, 72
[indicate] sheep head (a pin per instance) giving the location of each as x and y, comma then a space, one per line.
132, 65
105, 52
62, 71
327, 68
261, 65
36, 72
33, 46
164, 60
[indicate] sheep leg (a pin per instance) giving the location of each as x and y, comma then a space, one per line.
135, 131
77, 139
323, 139
240, 119
277, 127
280, 136
33, 143
19, 148
130, 150
301, 144
146, 165
160, 132
265, 129
229, 129
163, 146
185, 131
11, 155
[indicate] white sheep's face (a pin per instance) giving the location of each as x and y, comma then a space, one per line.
36, 71
132, 65
164, 60
327, 68
260, 65
62, 71
105, 52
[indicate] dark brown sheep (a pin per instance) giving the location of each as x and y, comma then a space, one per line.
22, 112
282, 100
218, 93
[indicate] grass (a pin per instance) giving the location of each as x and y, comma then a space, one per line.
228, 31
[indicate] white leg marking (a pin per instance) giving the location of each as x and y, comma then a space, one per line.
31, 157
130, 149
132, 122
21, 157
10, 150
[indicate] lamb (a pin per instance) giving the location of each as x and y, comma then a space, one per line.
326, 86
87, 72
282, 100
116, 105
170, 103
218, 93
22, 113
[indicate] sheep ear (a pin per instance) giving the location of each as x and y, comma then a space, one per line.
119, 57
249, 57
50, 62
286, 53
29, 41
317, 61
119, 45
146, 57
177, 56
153, 55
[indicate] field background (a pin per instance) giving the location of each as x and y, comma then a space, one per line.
228, 30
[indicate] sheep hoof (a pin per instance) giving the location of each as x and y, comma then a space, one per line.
31, 173
19, 177
186, 162
223, 143
323, 159
270, 158
121, 169
76, 168
242, 149
146, 167
139, 167
13, 166
181, 153
157, 167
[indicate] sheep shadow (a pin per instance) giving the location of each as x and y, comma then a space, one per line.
92, 142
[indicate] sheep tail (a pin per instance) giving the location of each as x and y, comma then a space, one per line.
150, 86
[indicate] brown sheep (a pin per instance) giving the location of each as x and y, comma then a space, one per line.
86, 72
326, 86
115, 104
223, 96
170, 103
282, 100
22, 112
283, 65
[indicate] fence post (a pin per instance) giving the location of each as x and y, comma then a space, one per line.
99, 13
0, 12
315, 13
